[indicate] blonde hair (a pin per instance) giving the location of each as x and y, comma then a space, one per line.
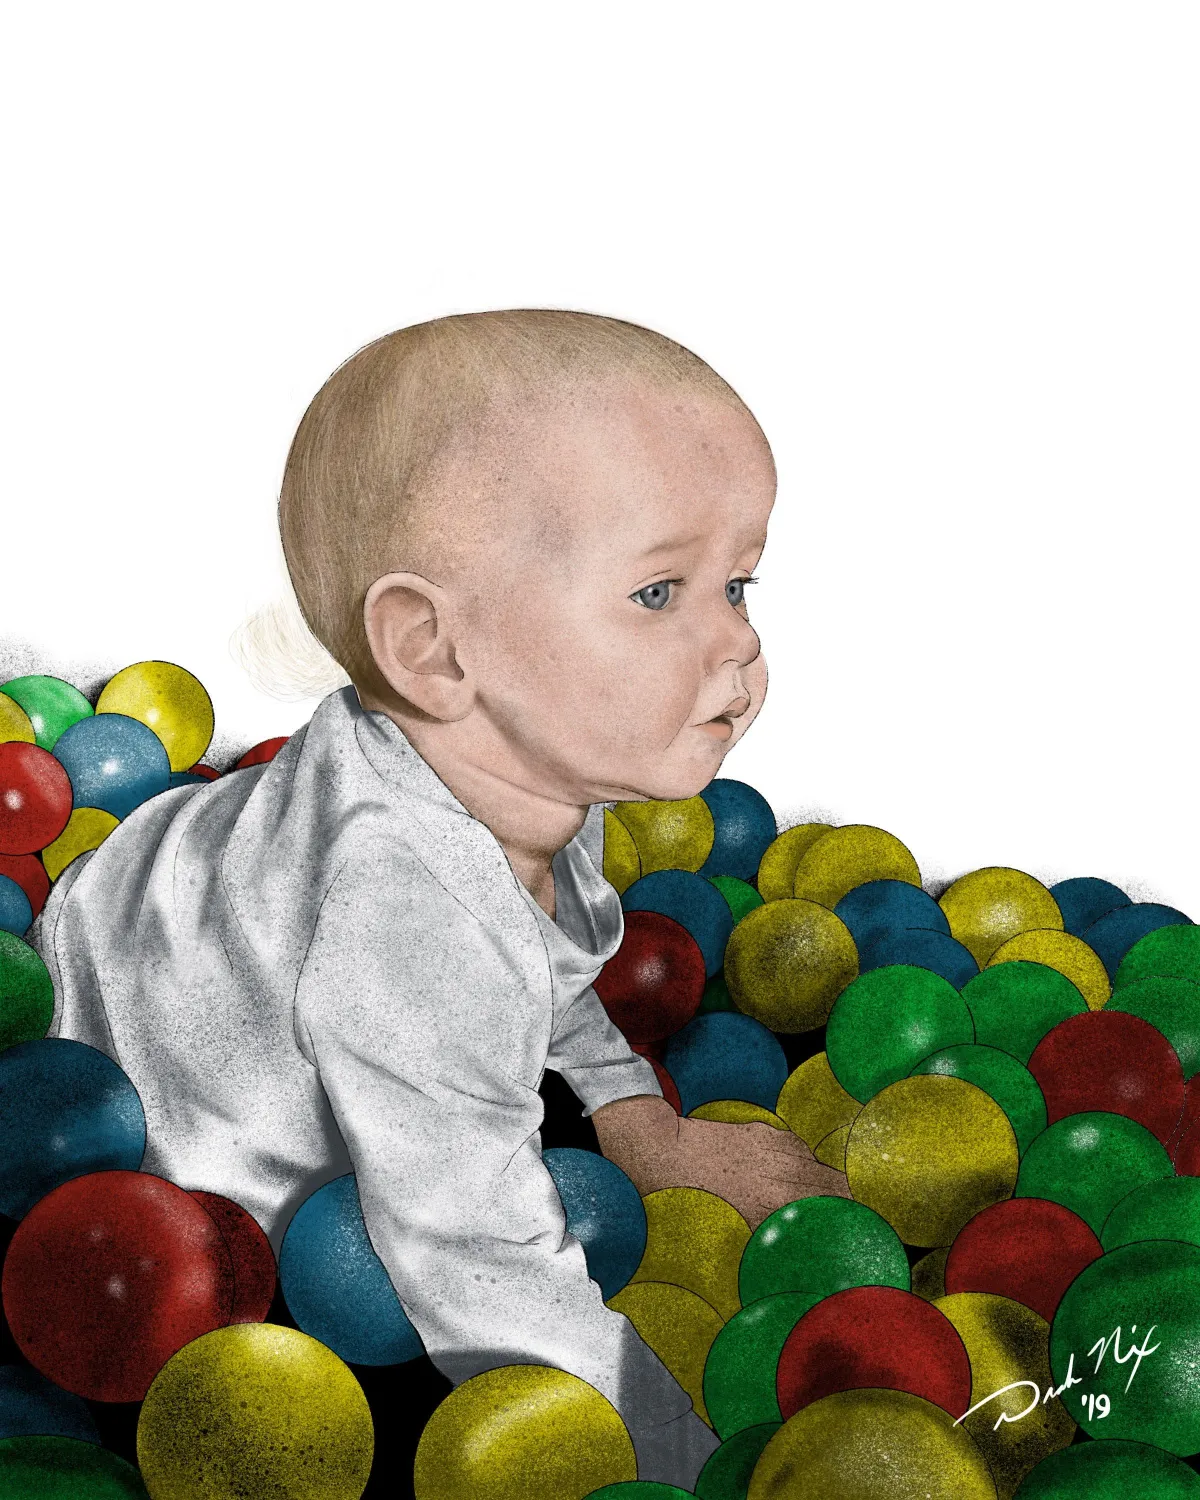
356, 498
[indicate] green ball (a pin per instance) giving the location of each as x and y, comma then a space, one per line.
1015, 1004
1150, 1292
26, 992
638, 1489
716, 995
1089, 1161
1168, 952
889, 1019
1109, 1470
727, 1474
739, 1373
60, 1468
1169, 1003
740, 895
1000, 1075
1166, 1209
52, 705
821, 1245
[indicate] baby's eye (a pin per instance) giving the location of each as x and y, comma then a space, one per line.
734, 589
655, 595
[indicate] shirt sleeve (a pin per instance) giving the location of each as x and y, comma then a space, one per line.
424, 1037
594, 1058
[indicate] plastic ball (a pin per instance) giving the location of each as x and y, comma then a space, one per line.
1166, 1209
35, 798
1111, 1470
87, 828
51, 704
922, 948
777, 869
64, 1468
16, 914
250, 1252
115, 763
604, 1212
1071, 956
653, 983
695, 1240
695, 903
1084, 900
739, 1374
1014, 1005
1029, 1250
1088, 1162
640, 1489
723, 1055
26, 1006
850, 856
1110, 1060
786, 963
207, 772
185, 778
255, 1409
1166, 953
821, 1245
110, 1274
737, 1112
728, 1472
1001, 1077
1189, 1119
813, 1102
169, 701
739, 897
873, 1336
873, 1444
622, 864
885, 1022
262, 753
30, 874
670, 835
987, 907
32, 1406
1115, 934
928, 1153
335, 1285
743, 828
14, 723
830, 1150
678, 1325
716, 996
667, 1084
929, 1273
1151, 1292
878, 907
66, 1109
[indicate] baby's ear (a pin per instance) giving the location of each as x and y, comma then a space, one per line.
409, 623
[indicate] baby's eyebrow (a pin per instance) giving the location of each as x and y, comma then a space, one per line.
671, 543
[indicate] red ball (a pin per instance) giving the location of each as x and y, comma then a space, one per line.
1189, 1117
200, 769
110, 1275
1110, 1060
1028, 1249
35, 798
651, 1051
30, 874
871, 1336
1187, 1153
654, 982
251, 1254
667, 1084
264, 751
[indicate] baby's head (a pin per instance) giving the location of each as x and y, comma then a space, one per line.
522, 534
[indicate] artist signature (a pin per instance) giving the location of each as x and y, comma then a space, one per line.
1097, 1405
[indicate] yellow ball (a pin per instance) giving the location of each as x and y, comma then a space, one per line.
695, 1240
850, 856
87, 828
871, 1444
167, 699
777, 868
669, 835
1007, 1342
1062, 951
987, 907
813, 1102
831, 1149
929, 1152
15, 723
736, 1112
522, 1432
622, 865
929, 1274
787, 961
255, 1409
678, 1325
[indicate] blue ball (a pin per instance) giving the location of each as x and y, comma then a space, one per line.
604, 1212
923, 949
337, 1288
114, 762
722, 1054
65, 1109
32, 1406
881, 906
16, 914
1084, 900
743, 826
1113, 934
186, 778
692, 901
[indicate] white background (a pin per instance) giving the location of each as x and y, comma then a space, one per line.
948, 253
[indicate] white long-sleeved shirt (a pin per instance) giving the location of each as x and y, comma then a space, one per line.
326, 964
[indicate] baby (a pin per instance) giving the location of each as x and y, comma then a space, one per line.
525, 536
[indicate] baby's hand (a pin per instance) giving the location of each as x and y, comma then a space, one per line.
755, 1168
